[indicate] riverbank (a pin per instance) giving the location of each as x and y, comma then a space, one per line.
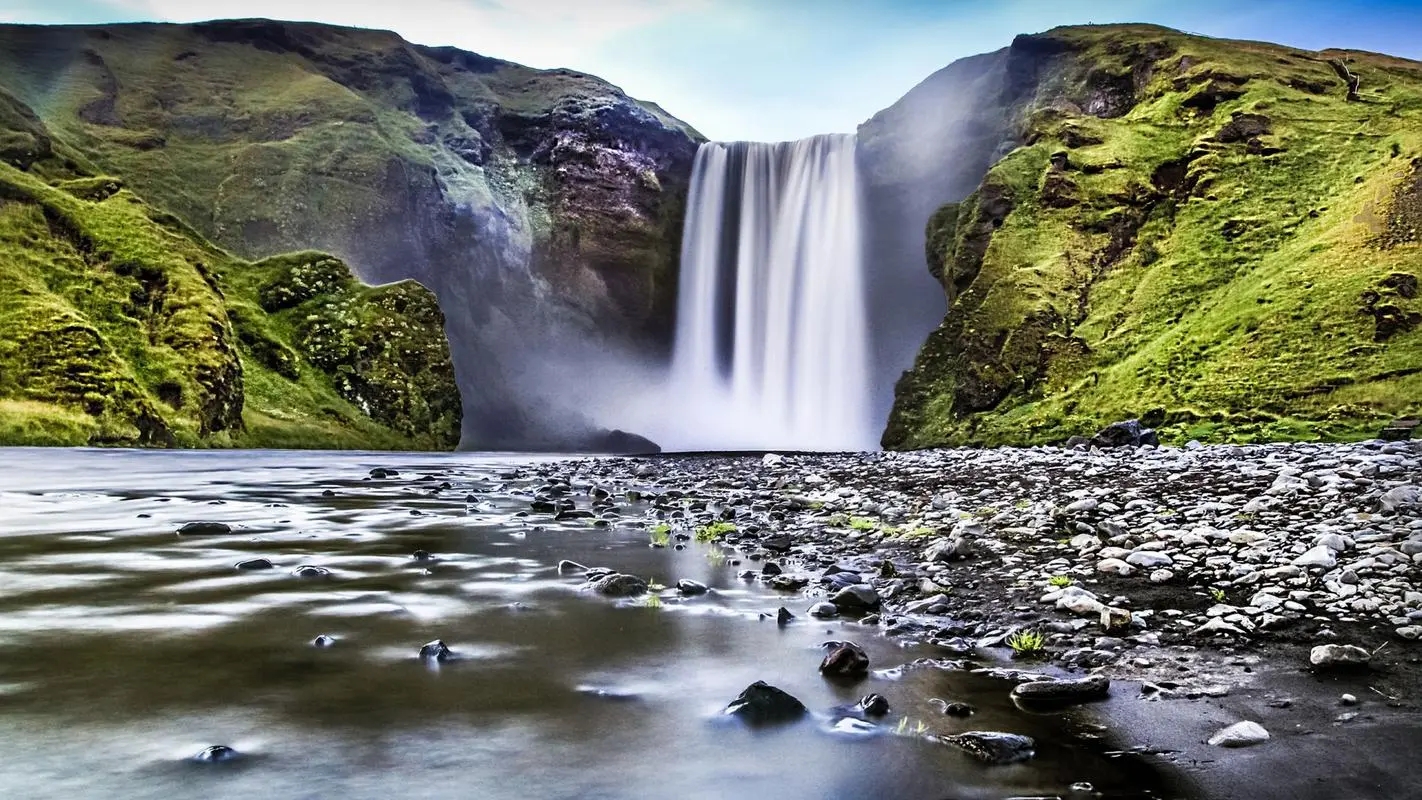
1203, 578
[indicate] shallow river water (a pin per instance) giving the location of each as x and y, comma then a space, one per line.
125, 649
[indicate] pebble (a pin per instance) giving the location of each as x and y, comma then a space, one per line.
1240, 734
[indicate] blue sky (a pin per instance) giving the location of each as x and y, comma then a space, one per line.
771, 69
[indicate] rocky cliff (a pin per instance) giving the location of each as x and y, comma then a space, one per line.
121, 325
543, 208
1221, 235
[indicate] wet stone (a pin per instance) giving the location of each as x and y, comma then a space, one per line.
435, 651
993, 747
205, 529
311, 571
845, 659
763, 704
1077, 690
216, 754
254, 563
323, 641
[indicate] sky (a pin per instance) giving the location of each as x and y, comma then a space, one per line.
771, 70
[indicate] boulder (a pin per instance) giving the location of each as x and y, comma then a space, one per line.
763, 704
216, 754
1130, 433
691, 588
859, 597
873, 705
993, 747
435, 651
619, 585
1240, 734
845, 659
205, 529
1079, 690
1339, 656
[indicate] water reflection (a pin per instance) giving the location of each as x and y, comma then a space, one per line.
126, 648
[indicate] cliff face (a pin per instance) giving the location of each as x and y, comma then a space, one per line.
1219, 234
120, 325
543, 208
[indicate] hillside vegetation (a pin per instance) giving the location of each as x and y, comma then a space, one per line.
120, 325
1224, 236
534, 203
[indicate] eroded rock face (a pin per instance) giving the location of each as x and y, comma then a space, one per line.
543, 208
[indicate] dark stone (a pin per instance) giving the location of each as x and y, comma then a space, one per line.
962, 710
205, 529
310, 571
770, 569
619, 585
1077, 443
762, 704
380, 473
1130, 433
623, 443
690, 588
783, 616
1062, 692
874, 705
216, 754
993, 747
845, 659
435, 651
422, 555
565, 566
776, 542
255, 563
323, 641
859, 597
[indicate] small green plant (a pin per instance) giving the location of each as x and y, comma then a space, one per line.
661, 534
986, 512
1027, 643
652, 600
1217, 594
909, 727
714, 531
716, 557
1022, 504
863, 524
1059, 581
915, 533
837, 521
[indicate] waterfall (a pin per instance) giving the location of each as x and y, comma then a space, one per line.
771, 346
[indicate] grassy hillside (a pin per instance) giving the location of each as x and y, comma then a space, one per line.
530, 200
120, 325
1222, 234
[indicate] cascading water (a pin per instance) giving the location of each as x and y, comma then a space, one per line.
772, 340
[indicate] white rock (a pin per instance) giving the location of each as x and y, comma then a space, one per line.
1338, 655
1320, 556
1395, 498
771, 459
1114, 566
1240, 734
1084, 504
1162, 576
1149, 559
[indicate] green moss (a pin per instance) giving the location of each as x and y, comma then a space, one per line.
118, 325
1207, 246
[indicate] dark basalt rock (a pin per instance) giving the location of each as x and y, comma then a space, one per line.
216, 754
690, 587
874, 705
992, 747
422, 556
623, 443
311, 571
783, 616
1130, 433
763, 704
857, 597
620, 585
323, 641
845, 659
436, 651
254, 563
205, 529
1061, 692
380, 473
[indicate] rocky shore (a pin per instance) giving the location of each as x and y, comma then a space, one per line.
1261, 580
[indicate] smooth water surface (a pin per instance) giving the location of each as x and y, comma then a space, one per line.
126, 648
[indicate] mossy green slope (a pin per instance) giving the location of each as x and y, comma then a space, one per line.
119, 325
1220, 232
